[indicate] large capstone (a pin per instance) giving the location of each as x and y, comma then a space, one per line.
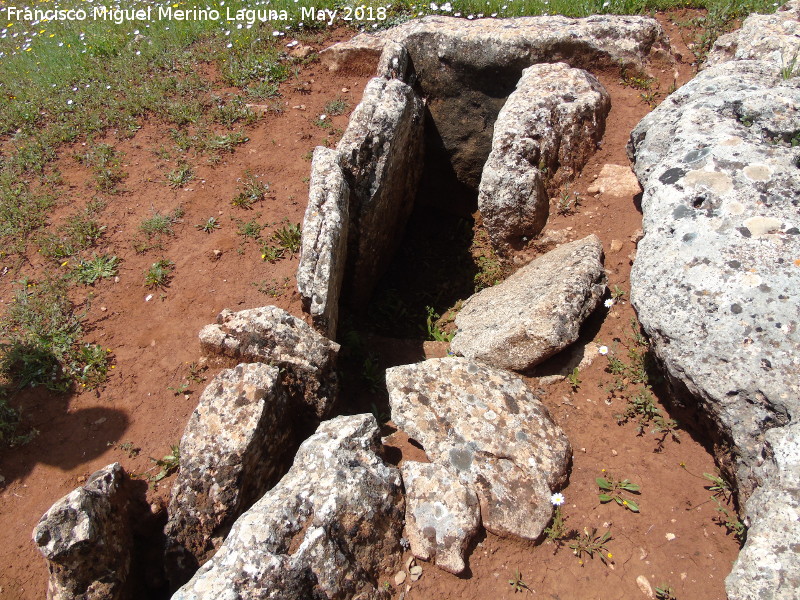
329, 530
271, 335
87, 541
490, 431
537, 311
546, 131
236, 446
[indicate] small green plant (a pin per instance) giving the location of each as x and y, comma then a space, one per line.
613, 489
159, 274
271, 253
731, 522
179, 390
272, 287
336, 107
208, 225
250, 230
180, 176
433, 332
289, 237
574, 380
618, 294
590, 543
98, 267
557, 531
637, 81
160, 224
251, 191
517, 583
169, 464
719, 487
568, 202
196, 372
323, 122
664, 592
372, 374
131, 449
788, 69
490, 271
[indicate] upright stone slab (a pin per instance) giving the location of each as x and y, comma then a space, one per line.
86, 538
537, 311
486, 427
382, 155
271, 335
546, 131
330, 529
236, 446
323, 256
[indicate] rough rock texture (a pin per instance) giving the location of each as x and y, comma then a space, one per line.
442, 514
236, 446
382, 155
774, 38
86, 539
546, 131
717, 275
466, 70
768, 568
323, 256
537, 311
271, 335
487, 428
328, 530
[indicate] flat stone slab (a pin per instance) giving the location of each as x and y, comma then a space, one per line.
330, 529
488, 429
236, 446
271, 335
537, 311
323, 255
546, 131
442, 514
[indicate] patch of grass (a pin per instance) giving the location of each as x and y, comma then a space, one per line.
223, 143
251, 190
180, 176
574, 380
249, 230
664, 592
80, 231
568, 202
788, 69
105, 164
590, 543
98, 267
41, 333
168, 465
336, 107
209, 225
272, 287
517, 583
432, 330
159, 274
160, 224
233, 111
271, 253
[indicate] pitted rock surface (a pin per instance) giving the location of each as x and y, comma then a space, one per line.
487, 428
442, 514
466, 70
537, 311
271, 335
86, 539
382, 156
236, 446
551, 123
328, 530
323, 256
768, 566
716, 273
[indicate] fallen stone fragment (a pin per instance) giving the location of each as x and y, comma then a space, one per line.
86, 539
271, 335
537, 311
486, 427
618, 181
546, 131
236, 446
442, 514
323, 256
329, 530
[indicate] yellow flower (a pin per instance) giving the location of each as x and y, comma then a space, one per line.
610, 555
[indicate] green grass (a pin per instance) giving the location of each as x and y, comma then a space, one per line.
98, 267
160, 224
159, 274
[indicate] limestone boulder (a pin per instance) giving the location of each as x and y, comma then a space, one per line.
87, 540
330, 529
537, 311
323, 255
716, 273
271, 335
546, 131
442, 514
236, 446
490, 431
382, 157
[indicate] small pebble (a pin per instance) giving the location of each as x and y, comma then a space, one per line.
670, 536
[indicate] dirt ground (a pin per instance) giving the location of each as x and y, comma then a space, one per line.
142, 410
